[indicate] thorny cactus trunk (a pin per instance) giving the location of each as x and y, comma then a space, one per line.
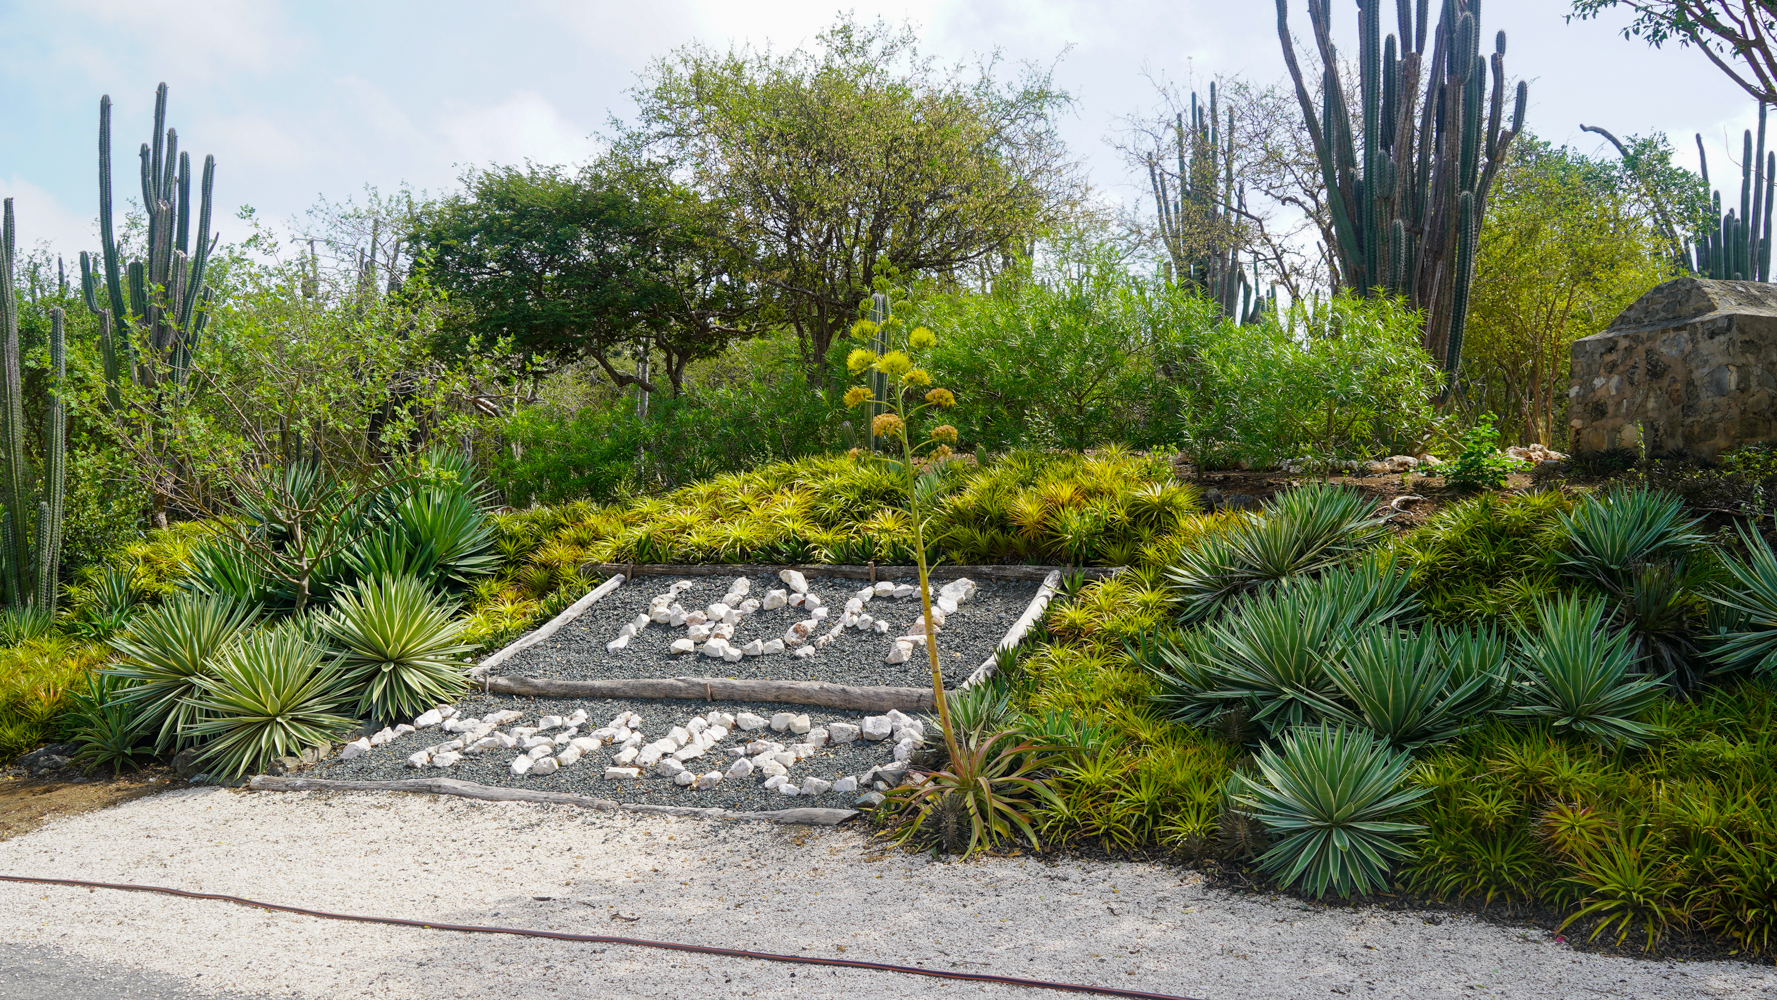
1407, 188
30, 554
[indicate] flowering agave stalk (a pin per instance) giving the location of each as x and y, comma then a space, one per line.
910, 394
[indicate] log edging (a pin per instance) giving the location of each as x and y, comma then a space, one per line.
547, 629
497, 793
1015, 635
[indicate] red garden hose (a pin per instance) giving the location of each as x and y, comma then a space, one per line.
1109, 991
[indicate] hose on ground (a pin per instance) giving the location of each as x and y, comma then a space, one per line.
701, 949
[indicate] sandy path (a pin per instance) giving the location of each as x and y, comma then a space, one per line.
749, 886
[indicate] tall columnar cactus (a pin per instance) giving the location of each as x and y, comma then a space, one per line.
1738, 245
1198, 207
152, 310
30, 557
1407, 188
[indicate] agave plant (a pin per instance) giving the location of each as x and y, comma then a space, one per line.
273, 694
1748, 622
1611, 535
1334, 796
1580, 677
988, 789
166, 651
399, 649
108, 731
1304, 531
1417, 688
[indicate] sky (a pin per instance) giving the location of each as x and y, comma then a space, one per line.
300, 101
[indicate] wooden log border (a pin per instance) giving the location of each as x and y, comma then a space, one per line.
1015, 635
866, 699
544, 631
496, 793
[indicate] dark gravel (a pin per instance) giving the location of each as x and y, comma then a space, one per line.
587, 775
577, 651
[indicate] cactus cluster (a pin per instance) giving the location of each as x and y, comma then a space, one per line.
32, 551
1407, 186
152, 310
1738, 245
1199, 207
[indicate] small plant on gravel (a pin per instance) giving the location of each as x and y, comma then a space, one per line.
983, 796
1335, 797
1480, 465
166, 651
109, 732
271, 695
399, 647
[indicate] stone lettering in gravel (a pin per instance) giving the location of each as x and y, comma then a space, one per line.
623, 772
544, 765
684, 779
795, 580
446, 758
842, 732
740, 768
669, 768
682, 646
812, 785
709, 781
354, 748
877, 727
428, 718
522, 765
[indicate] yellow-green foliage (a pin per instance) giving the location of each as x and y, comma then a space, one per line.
34, 675
1488, 558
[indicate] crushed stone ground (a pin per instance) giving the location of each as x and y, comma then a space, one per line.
754, 886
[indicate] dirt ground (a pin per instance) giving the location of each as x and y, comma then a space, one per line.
26, 805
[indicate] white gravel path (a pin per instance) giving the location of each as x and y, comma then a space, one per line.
750, 886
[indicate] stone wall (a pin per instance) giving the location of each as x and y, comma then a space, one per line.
1691, 368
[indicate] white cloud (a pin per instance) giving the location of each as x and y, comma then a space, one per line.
525, 126
199, 41
42, 219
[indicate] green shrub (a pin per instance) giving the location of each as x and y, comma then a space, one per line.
166, 652
1416, 688
108, 731
1488, 558
1579, 676
1479, 464
1335, 798
271, 695
399, 647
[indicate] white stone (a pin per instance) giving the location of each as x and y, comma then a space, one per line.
864, 596
506, 740
724, 719
428, 718
804, 652
641, 622
669, 767
864, 622
796, 581
533, 742
577, 718
717, 611
697, 724
740, 768
356, 748
717, 733
568, 755
799, 724
700, 633
877, 727
585, 744
661, 614
772, 769
503, 716
480, 746
682, 646
783, 758
695, 618
521, 732
545, 765
788, 789
898, 717
677, 616
841, 732
818, 736
775, 781
447, 746
679, 736
748, 606
741, 586
402, 730
819, 614
883, 588
523, 764
946, 605
754, 648
798, 632
446, 711
716, 648
680, 586
619, 643
684, 779
900, 652
796, 600
623, 772
812, 785
732, 654
748, 722
627, 755
854, 606
846, 784
539, 752
812, 601
420, 758
905, 591
687, 752
781, 721
881, 627
821, 642
772, 647
626, 631
802, 751
549, 722
647, 756
775, 599
723, 632
905, 749
709, 781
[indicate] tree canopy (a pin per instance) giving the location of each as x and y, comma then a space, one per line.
1735, 35
854, 159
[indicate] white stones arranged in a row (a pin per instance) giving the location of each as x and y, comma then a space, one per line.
541, 754
666, 757
951, 596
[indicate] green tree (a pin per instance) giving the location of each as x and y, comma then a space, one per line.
1570, 241
596, 263
1735, 35
854, 160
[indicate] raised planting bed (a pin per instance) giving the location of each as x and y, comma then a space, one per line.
836, 745
579, 649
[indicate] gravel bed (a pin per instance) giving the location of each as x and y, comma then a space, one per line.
763, 887
587, 775
577, 651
